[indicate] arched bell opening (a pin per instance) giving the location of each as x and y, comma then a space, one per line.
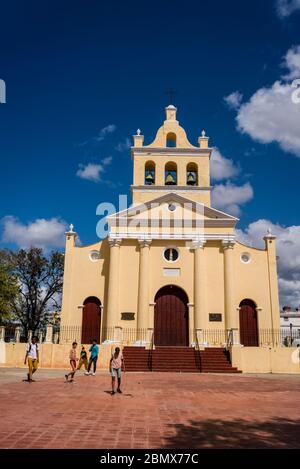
192, 174
171, 140
171, 174
150, 173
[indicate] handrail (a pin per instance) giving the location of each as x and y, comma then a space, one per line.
150, 354
197, 352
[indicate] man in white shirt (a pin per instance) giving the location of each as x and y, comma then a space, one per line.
32, 355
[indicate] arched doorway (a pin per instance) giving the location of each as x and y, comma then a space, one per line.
248, 324
171, 321
91, 320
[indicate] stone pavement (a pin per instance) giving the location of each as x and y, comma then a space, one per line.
156, 410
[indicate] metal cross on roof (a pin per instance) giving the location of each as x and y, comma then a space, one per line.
171, 94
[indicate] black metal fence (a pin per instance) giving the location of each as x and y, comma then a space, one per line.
15, 333
284, 337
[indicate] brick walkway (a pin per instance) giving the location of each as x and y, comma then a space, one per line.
158, 410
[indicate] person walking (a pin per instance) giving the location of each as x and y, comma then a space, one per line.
73, 360
94, 349
83, 359
115, 367
32, 357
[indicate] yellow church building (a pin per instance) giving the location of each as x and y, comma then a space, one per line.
170, 273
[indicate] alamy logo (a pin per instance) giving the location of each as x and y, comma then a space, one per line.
2, 92
296, 92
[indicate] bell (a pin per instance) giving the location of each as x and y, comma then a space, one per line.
191, 179
149, 179
169, 179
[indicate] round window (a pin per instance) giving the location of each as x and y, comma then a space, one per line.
245, 257
172, 207
94, 256
171, 254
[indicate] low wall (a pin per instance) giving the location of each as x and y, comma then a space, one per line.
247, 359
50, 355
266, 359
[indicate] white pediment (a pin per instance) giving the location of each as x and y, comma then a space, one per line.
175, 208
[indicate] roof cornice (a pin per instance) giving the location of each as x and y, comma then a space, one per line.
171, 151
154, 188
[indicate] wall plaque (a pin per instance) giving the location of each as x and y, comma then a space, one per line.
171, 272
127, 316
215, 317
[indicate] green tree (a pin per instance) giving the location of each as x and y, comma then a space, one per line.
40, 280
8, 288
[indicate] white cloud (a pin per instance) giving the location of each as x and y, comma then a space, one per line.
222, 167
292, 63
109, 129
288, 250
123, 146
228, 197
286, 7
272, 116
233, 100
41, 233
107, 160
92, 171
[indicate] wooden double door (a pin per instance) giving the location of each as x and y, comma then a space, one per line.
91, 320
171, 321
248, 324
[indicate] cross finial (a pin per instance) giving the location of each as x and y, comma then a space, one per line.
171, 94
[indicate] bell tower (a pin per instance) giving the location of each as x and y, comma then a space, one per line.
171, 164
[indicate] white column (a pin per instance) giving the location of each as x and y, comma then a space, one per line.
143, 292
17, 334
112, 311
49, 334
231, 315
199, 286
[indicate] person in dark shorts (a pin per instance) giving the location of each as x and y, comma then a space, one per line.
83, 359
94, 349
115, 367
73, 360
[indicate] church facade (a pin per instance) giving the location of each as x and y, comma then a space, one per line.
170, 272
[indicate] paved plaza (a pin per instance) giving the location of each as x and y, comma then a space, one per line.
156, 410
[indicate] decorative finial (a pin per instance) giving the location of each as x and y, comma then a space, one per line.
71, 228
138, 132
203, 133
269, 235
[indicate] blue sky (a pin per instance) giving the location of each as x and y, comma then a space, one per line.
75, 68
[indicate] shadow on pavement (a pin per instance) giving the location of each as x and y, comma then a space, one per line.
275, 433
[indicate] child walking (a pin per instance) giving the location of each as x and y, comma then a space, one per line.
115, 367
83, 359
94, 349
32, 357
73, 360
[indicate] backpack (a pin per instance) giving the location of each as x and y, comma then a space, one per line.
30, 344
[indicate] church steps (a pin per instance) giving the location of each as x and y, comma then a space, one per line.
178, 359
